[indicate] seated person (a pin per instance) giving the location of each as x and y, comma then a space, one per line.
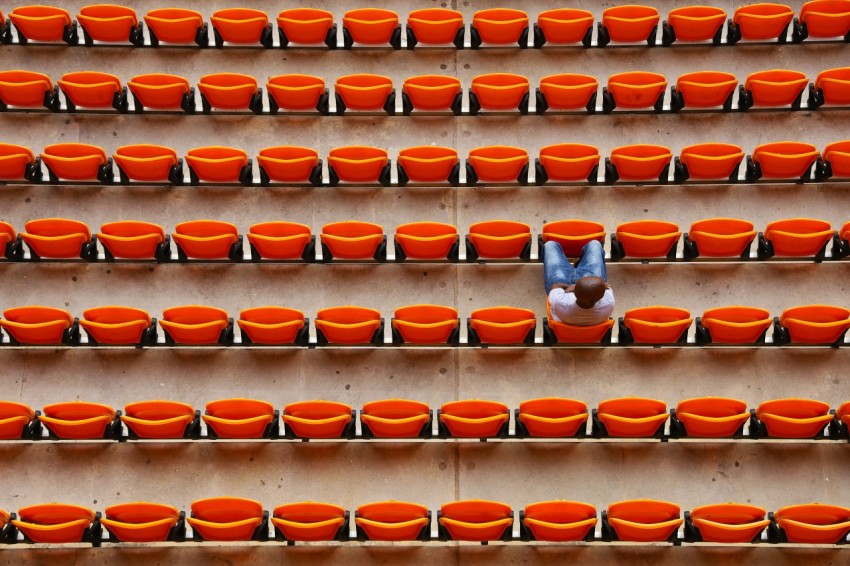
578, 295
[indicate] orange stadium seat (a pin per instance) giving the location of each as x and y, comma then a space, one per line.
475, 520
813, 324
573, 235
309, 521
110, 23
11, 244
241, 418
352, 239
645, 239
371, 26
499, 91
358, 164
279, 240
426, 240
733, 325
639, 162
228, 519
141, 521
499, 26
795, 237
498, 239
842, 415
708, 417
290, 164
217, 164
19, 162
568, 91
207, 239
641, 520
693, 24
393, 521
551, 417
55, 523
823, 19
241, 26
39, 325
230, 91
151, 163
365, 92
835, 161
708, 161
306, 26
562, 26
92, 89
15, 422
177, 25
782, 160
840, 242
719, 237
318, 419
729, 523
27, 89
77, 162
703, 89
428, 164
426, 324
793, 418
273, 326
815, 523
556, 332
655, 325
497, 164
298, 93
760, 22
435, 26
196, 324
473, 418
830, 87
634, 90
80, 420
395, 418
58, 238
558, 521
349, 325
628, 24
501, 325
432, 93
629, 417
567, 162
44, 24
118, 325
159, 419
132, 239
776, 87
159, 91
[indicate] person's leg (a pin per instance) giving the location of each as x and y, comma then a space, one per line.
592, 261
556, 267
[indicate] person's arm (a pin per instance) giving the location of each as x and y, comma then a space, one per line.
566, 288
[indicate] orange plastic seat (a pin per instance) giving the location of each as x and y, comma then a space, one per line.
815, 523
711, 417
628, 24
694, 24
552, 417
555, 332
177, 25
15, 419
794, 418
132, 239
241, 26
371, 26
26, 89
147, 162
57, 238
644, 520
317, 419
475, 520
563, 25
117, 325
110, 23
657, 324
497, 164
498, 239
760, 22
435, 26
217, 164
230, 91
425, 324
703, 89
647, 238
721, 237
559, 521
473, 418
281, 240
37, 324
54, 523
77, 162
393, 521
843, 413
273, 325
499, 91
783, 160
567, 162
573, 234
194, 324
709, 161
634, 89
358, 164
226, 518
798, 237
352, 239
297, 92
364, 92
349, 325
158, 419
432, 93
823, 18
91, 89
306, 26
639, 162
428, 164
836, 156
567, 91
631, 417
815, 324
140, 521
206, 239
502, 325
729, 523
309, 521
160, 91
426, 240
77, 420
395, 418
11, 245
776, 87
499, 26
735, 325
290, 164
240, 418
43, 23
17, 162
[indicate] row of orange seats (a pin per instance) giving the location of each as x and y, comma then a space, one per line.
502, 240
633, 90
432, 325
111, 23
550, 417
474, 520
428, 164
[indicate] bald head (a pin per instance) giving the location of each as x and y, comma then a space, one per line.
588, 291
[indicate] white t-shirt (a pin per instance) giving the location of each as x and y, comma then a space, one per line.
564, 308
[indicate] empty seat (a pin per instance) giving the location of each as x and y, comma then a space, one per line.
242, 26
395, 418
567, 162
309, 521
710, 417
760, 22
77, 162
435, 26
568, 91
563, 25
352, 239
428, 164
720, 237
793, 418
176, 25
195, 325
499, 26
796, 237
207, 239
306, 26
110, 23
782, 160
643, 520
656, 325
815, 523
497, 164
118, 325
628, 24
634, 90
349, 325
358, 164
836, 160
364, 92
133, 239
26, 89
703, 89
297, 92
240, 418
830, 87
776, 87
499, 91
842, 414
432, 93
735, 325
573, 234
160, 91
38, 325
425, 324
159, 419
426, 240
290, 164
631, 417
476, 520
148, 163
317, 419
556, 332
473, 418
91, 89
552, 417
273, 326
558, 521
823, 18
371, 26
227, 519
43, 23
55, 523
57, 238
141, 521
393, 521
639, 162
18, 162
230, 91
694, 24
281, 240
709, 161
15, 421
501, 325
10, 242
815, 324
729, 523
647, 238
79, 420
217, 164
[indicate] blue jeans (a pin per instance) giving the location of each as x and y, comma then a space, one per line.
557, 269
